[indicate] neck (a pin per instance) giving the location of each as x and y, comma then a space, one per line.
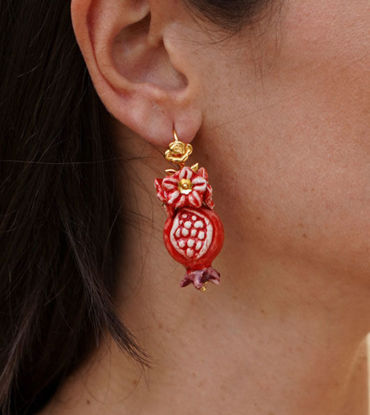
278, 336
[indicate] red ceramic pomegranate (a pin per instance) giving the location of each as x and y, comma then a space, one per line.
193, 233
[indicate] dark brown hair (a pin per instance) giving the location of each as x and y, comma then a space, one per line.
60, 213
231, 15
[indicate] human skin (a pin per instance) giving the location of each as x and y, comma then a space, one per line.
280, 117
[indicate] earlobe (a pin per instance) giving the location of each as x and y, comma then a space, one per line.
123, 44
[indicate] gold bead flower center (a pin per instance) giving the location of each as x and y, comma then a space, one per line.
185, 186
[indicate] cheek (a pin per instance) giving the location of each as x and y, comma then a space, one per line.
307, 179
295, 200
316, 167
300, 199
297, 169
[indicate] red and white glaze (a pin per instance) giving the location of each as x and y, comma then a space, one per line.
193, 233
194, 237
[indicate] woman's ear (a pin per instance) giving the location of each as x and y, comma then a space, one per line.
133, 51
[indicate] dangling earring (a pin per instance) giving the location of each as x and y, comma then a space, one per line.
193, 233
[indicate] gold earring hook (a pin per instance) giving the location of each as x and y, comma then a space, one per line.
175, 136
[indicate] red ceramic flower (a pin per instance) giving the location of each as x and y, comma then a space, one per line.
185, 188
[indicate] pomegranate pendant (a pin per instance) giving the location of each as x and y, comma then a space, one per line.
193, 233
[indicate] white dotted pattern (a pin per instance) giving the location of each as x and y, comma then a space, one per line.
191, 233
